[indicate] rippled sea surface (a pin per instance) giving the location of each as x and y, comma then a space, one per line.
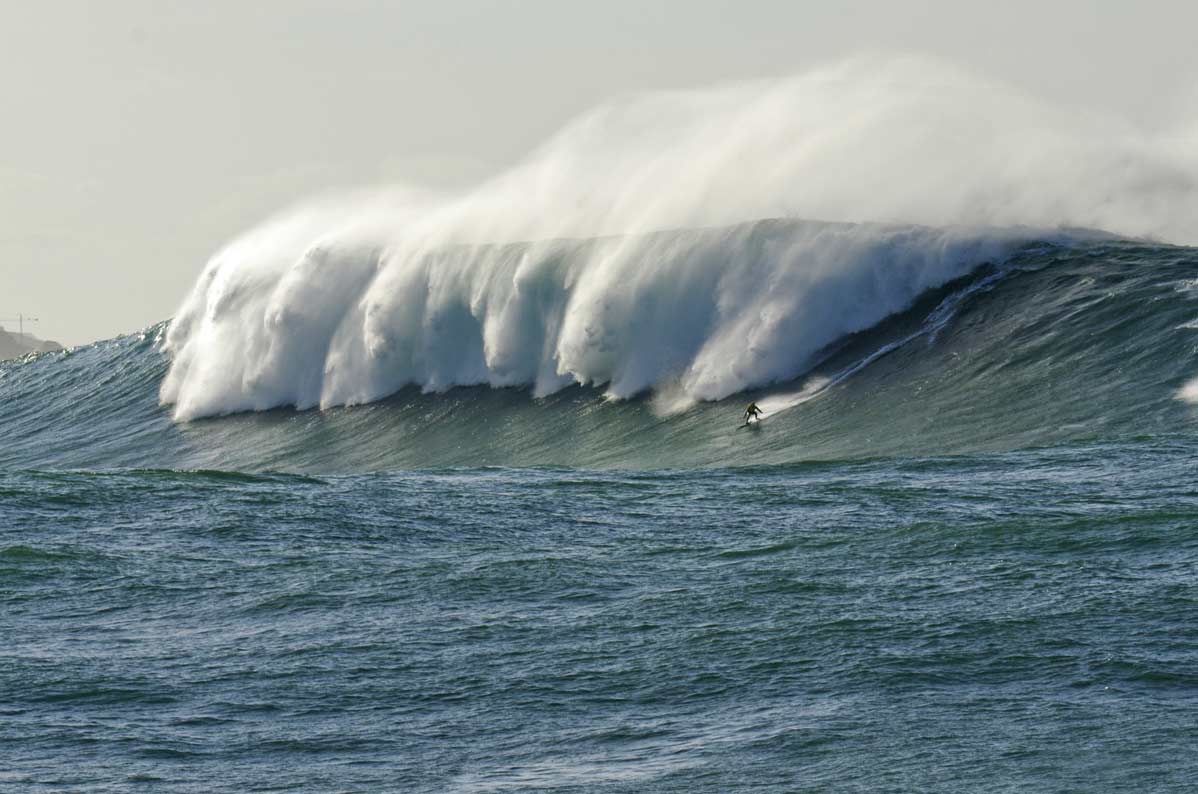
1023, 621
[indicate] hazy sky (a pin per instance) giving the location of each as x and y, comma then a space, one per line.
137, 136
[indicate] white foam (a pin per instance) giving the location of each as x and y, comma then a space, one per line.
1189, 392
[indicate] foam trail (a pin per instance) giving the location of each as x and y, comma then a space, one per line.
557, 271
1189, 392
940, 317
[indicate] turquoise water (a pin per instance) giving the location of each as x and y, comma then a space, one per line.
966, 564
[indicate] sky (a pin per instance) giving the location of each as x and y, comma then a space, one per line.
139, 136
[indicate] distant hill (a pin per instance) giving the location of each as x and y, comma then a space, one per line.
14, 345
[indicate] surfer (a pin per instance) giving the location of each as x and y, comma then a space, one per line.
752, 412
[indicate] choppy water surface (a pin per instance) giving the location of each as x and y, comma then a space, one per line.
1006, 622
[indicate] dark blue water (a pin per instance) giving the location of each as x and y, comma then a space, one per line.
968, 564
1009, 622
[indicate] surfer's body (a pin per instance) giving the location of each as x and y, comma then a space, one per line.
752, 412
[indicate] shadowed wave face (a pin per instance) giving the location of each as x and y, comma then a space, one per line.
1011, 342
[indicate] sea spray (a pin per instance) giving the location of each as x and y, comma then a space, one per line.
565, 269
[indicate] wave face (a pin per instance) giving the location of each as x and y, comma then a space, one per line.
996, 342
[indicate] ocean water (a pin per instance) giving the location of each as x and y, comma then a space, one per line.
960, 554
1002, 622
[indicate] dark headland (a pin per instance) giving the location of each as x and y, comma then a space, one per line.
14, 345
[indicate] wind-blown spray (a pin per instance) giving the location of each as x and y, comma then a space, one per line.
623, 252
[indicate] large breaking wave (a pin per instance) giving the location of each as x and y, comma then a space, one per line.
565, 270
940, 297
1074, 341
